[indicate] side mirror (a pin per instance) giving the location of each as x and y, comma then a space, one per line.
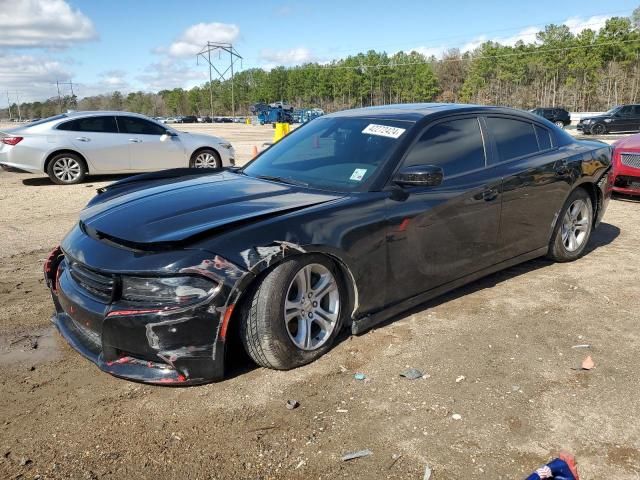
419, 176
167, 135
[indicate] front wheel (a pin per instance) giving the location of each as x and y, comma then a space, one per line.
559, 123
295, 313
598, 129
573, 228
205, 158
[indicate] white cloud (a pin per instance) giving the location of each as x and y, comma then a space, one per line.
430, 51
29, 77
291, 56
169, 74
42, 23
196, 36
577, 24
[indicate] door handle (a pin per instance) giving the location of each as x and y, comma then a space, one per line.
490, 194
135, 140
83, 139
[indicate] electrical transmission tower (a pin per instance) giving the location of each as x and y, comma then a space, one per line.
234, 56
58, 83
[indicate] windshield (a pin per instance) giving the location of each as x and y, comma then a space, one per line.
45, 120
613, 110
334, 153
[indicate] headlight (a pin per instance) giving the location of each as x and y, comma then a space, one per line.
228, 146
586, 120
167, 290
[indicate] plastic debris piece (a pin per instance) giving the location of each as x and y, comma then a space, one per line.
291, 404
460, 378
583, 345
359, 454
427, 473
587, 363
456, 416
342, 410
360, 376
412, 374
562, 468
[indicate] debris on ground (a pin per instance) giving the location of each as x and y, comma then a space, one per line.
412, 374
291, 404
394, 459
460, 378
456, 416
427, 473
25, 462
562, 468
582, 345
359, 454
587, 363
360, 376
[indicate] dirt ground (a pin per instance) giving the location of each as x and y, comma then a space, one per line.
502, 353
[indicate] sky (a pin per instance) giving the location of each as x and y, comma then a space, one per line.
148, 45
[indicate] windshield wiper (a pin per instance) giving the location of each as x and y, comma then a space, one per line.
287, 180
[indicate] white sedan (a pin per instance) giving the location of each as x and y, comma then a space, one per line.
69, 146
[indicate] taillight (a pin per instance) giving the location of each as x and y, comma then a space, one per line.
11, 140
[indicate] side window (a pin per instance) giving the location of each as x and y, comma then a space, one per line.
456, 146
636, 110
139, 126
514, 138
626, 111
544, 138
106, 124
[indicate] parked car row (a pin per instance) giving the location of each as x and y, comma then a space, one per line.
69, 146
622, 118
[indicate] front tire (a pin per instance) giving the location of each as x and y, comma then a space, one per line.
295, 313
573, 228
205, 158
598, 129
67, 169
559, 123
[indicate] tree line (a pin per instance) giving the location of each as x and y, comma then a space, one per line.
588, 71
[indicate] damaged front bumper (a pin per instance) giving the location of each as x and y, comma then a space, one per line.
170, 345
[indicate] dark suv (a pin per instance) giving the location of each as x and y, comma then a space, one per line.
559, 116
623, 118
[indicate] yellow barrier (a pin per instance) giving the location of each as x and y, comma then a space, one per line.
281, 130
248, 121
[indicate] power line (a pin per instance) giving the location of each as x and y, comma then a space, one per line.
234, 56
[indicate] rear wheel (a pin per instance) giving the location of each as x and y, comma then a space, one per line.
559, 123
66, 169
573, 228
294, 315
205, 158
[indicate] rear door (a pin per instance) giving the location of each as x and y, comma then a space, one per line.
149, 148
442, 233
535, 183
624, 120
97, 139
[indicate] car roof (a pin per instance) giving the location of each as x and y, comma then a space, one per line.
417, 111
90, 113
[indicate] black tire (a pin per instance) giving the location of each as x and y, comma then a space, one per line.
77, 169
598, 129
217, 162
558, 250
263, 329
559, 123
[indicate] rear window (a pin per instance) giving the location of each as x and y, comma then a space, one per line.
100, 124
46, 120
514, 138
544, 138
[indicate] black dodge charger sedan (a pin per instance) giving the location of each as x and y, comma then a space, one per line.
347, 221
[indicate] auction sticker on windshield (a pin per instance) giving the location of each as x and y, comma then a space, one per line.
383, 130
358, 174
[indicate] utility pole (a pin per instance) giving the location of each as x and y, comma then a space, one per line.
234, 56
9, 104
18, 103
58, 83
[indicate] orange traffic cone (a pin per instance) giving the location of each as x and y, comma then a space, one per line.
254, 152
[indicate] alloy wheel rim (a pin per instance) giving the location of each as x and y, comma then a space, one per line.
205, 160
311, 307
67, 169
575, 225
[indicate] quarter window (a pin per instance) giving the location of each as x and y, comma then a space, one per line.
106, 124
514, 138
139, 126
456, 146
544, 138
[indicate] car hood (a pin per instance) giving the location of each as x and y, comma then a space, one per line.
177, 211
631, 143
200, 137
595, 117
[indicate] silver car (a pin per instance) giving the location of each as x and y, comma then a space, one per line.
70, 146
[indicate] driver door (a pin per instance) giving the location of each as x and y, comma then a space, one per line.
441, 233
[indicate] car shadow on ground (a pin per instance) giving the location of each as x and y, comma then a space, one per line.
46, 182
602, 236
